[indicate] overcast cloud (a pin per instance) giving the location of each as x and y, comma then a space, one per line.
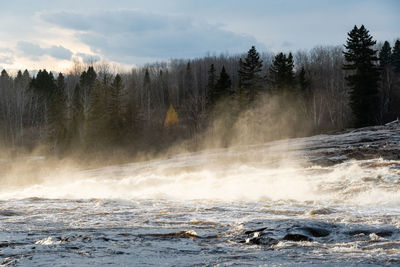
137, 32
130, 35
34, 51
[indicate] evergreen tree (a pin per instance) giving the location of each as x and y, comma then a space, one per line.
364, 76
394, 105
147, 94
22, 80
220, 90
44, 84
57, 129
4, 76
281, 74
164, 87
211, 78
87, 81
5, 85
223, 85
77, 116
385, 60
43, 87
26, 75
88, 78
210, 86
96, 130
188, 81
385, 55
250, 80
396, 56
115, 109
19, 76
304, 82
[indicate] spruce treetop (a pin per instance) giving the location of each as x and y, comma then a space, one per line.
250, 79
359, 52
363, 81
396, 56
385, 55
281, 74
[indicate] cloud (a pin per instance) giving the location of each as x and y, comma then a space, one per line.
34, 51
131, 36
59, 52
4, 59
286, 44
86, 58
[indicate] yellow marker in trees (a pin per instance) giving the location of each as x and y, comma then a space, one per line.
171, 118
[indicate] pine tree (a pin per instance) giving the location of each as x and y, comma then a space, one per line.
223, 85
5, 85
394, 105
115, 109
97, 130
147, 93
220, 89
385, 60
396, 56
250, 80
211, 77
88, 78
57, 129
43, 86
210, 86
281, 74
304, 82
77, 116
364, 76
188, 81
87, 81
385, 55
164, 85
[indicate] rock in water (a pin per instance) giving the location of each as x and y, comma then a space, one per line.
296, 237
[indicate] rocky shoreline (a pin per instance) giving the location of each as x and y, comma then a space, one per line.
359, 144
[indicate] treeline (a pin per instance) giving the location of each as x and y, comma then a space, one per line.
215, 100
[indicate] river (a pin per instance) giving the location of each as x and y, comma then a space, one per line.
322, 200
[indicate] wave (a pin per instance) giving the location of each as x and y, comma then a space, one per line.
212, 176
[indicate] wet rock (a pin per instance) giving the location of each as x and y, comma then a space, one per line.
322, 211
4, 244
72, 247
254, 231
182, 234
316, 232
384, 233
297, 237
380, 233
264, 240
9, 213
8, 261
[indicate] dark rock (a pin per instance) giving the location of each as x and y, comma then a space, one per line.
297, 237
265, 241
384, 233
381, 233
316, 232
254, 231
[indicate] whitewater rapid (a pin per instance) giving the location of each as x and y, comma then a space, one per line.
320, 200
358, 182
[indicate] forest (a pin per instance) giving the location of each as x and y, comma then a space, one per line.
209, 102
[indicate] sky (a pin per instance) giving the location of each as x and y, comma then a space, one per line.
53, 34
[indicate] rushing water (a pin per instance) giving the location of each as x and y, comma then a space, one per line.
271, 204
